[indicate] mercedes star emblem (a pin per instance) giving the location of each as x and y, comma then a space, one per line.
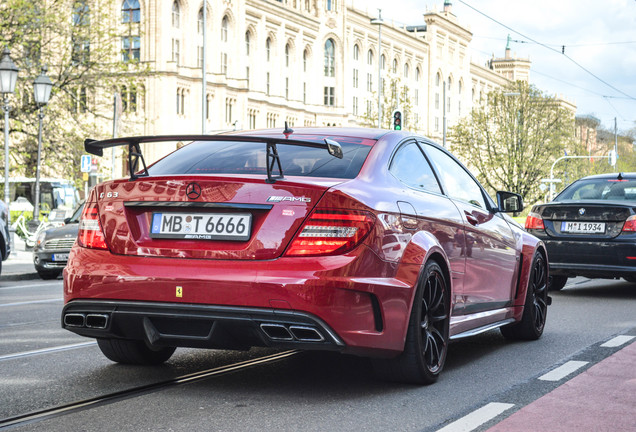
193, 191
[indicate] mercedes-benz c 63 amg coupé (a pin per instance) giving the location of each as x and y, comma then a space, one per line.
364, 241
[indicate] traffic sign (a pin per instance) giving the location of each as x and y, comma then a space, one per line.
86, 163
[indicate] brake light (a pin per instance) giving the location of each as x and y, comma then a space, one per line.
534, 221
90, 230
630, 224
327, 232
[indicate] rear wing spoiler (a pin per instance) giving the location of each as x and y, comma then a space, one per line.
135, 157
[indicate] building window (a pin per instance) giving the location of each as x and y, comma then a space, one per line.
224, 25
406, 71
268, 48
356, 52
355, 105
175, 50
176, 14
332, 5
180, 101
200, 21
383, 61
286, 88
267, 85
228, 111
305, 55
224, 63
130, 48
130, 12
247, 76
355, 78
330, 96
200, 56
369, 82
247, 43
81, 53
287, 55
305, 92
370, 58
395, 65
330, 58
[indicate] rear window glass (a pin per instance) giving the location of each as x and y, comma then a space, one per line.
227, 157
600, 189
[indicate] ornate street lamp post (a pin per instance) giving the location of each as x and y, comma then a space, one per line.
8, 78
41, 92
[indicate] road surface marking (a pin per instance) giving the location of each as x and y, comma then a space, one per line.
477, 418
55, 300
47, 350
563, 371
617, 341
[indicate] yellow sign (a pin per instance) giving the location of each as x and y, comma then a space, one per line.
179, 291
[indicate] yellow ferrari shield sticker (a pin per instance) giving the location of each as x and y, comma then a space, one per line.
179, 291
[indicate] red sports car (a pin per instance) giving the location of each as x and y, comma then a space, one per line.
364, 241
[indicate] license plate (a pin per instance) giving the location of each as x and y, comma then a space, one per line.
202, 226
583, 227
60, 257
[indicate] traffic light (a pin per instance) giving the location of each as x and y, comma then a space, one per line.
397, 120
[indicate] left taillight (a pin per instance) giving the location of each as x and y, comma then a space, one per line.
534, 221
329, 232
90, 230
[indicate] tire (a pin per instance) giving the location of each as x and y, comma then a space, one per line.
557, 283
134, 352
535, 309
426, 343
46, 275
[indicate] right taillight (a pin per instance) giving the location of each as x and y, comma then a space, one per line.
630, 224
328, 232
90, 230
534, 221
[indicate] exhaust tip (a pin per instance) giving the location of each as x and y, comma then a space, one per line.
306, 334
277, 332
96, 321
74, 320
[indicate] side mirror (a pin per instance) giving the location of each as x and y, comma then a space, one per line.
509, 202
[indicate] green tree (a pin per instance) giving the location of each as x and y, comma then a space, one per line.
394, 95
511, 141
80, 42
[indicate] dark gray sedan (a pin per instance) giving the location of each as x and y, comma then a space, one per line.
52, 246
589, 229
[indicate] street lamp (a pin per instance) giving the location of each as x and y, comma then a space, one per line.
8, 78
41, 93
378, 21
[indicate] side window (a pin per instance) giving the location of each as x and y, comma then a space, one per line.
411, 167
456, 181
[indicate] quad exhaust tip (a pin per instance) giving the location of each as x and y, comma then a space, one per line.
91, 320
280, 332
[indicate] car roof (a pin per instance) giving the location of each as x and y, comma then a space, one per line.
624, 175
356, 132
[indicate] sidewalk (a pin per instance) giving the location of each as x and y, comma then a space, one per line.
19, 265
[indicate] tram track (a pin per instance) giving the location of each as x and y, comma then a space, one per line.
94, 402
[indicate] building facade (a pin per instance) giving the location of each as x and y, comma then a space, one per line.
304, 62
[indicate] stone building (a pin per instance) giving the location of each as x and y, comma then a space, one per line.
304, 62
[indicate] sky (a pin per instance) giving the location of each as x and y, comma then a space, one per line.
597, 71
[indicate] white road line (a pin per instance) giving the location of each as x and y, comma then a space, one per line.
563, 371
617, 341
55, 300
38, 285
477, 418
47, 350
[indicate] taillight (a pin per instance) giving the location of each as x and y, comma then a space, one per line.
90, 230
534, 221
630, 224
327, 232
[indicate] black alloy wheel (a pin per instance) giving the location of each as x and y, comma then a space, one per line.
535, 309
426, 343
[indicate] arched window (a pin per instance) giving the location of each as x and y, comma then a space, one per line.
200, 21
395, 65
268, 48
330, 58
224, 25
370, 58
356, 52
417, 74
176, 15
383, 61
305, 58
130, 12
287, 55
406, 70
247, 43
437, 80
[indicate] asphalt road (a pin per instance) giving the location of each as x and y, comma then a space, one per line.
43, 366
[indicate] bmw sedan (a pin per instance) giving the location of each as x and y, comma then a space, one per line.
363, 241
589, 229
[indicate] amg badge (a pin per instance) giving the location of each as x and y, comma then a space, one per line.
288, 199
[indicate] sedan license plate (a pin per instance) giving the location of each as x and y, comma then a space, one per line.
202, 226
583, 227
60, 257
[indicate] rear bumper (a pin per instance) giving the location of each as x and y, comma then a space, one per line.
355, 303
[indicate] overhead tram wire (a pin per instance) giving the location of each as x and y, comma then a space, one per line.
562, 51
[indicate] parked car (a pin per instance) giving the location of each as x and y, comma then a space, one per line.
52, 247
5, 239
589, 229
363, 241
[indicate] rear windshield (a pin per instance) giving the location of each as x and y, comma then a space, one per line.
227, 157
600, 189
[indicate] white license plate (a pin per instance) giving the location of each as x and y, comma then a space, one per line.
583, 227
60, 257
202, 226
